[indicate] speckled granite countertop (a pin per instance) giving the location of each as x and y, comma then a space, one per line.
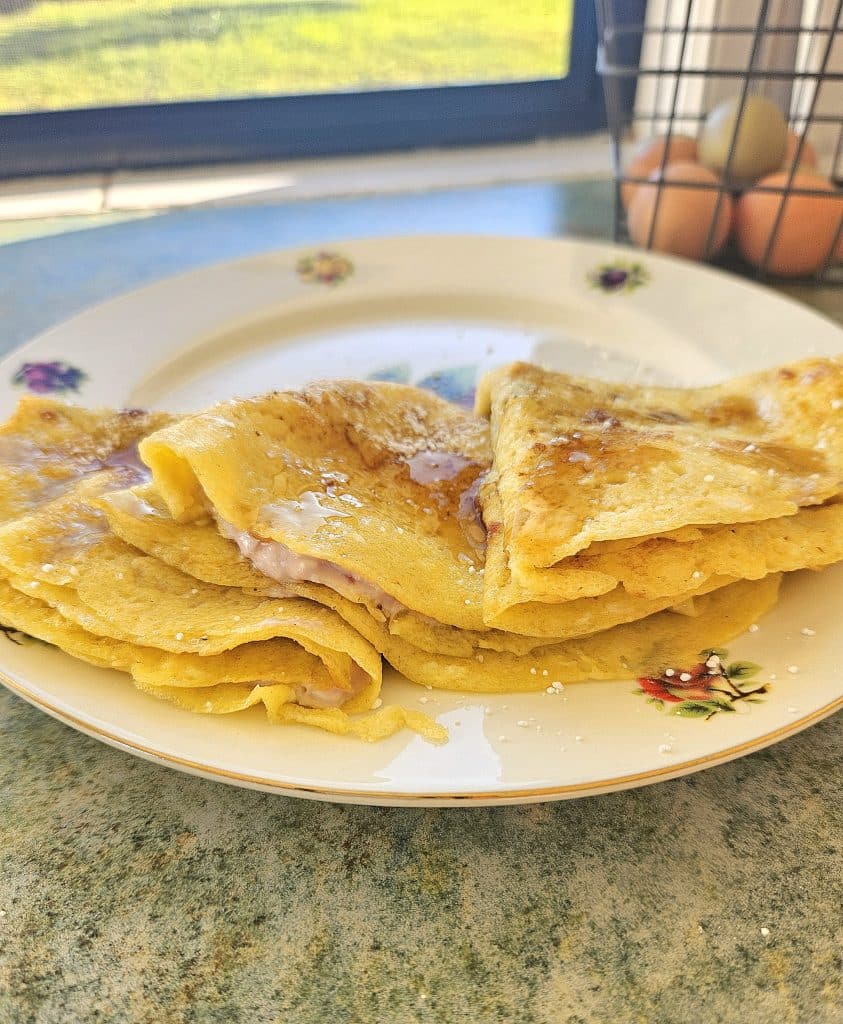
130, 893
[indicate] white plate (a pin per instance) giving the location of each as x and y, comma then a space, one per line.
438, 311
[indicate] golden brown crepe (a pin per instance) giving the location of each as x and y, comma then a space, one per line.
685, 559
457, 661
271, 661
269, 672
47, 447
65, 555
811, 539
624, 652
367, 488
61, 553
359, 527
284, 543
140, 518
579, 461
618, 493
523, 615
198, 549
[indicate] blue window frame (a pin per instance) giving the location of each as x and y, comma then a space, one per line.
179, 133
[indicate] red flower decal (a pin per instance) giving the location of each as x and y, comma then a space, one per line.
324, 268
707, 688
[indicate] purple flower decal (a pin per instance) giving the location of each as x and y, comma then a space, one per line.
49, 378
619, 277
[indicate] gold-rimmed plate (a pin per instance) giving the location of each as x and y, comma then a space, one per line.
437, 312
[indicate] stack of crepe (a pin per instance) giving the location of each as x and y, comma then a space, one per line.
271, 550
68, 579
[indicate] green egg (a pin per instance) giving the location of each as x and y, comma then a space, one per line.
761, 139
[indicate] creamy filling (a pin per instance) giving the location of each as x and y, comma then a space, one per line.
279, 563
471, 518
310, 695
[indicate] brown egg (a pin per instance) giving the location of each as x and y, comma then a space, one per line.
807, 158
648, 158
684, 215
805, 233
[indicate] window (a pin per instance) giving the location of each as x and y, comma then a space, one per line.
98, 84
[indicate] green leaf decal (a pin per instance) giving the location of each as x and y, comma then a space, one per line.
742, 670
700, 708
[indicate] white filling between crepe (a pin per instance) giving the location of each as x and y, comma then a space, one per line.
279, 563
311, 696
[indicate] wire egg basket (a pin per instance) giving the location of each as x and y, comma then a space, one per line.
666, 68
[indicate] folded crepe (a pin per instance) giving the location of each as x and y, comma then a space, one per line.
46, 448
284, 543
625, 652
209, 465
811, 539
170, 631
198, 549
192, 682
222, 682
368, 489
646, 496
139, 516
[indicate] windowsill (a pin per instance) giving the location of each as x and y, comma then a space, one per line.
126, 192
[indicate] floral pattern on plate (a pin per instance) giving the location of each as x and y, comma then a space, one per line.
53, 377
455, 384
619, 276
710, 687
17, 637
399, 373
324, 268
